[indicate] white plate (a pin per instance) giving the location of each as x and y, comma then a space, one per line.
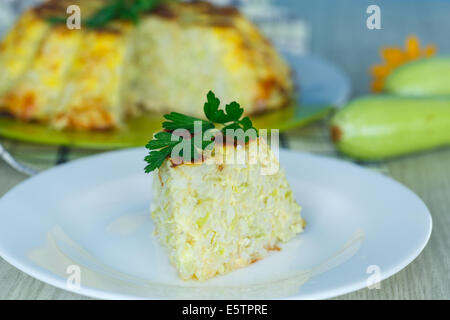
92, 214
320, 81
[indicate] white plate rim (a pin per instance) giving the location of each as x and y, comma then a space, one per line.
55, 281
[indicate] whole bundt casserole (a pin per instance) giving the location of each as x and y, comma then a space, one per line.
94, 78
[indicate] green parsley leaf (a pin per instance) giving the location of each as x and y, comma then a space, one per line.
246, 123
162, 145
212, 111
156, 158
57, 20
233, 126
105, 14
115, 10
181, 121
234, 111
163, 139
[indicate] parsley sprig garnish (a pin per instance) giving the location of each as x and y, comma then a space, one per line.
129, 10
230, 118
162, 144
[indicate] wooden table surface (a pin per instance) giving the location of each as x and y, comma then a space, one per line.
340, 35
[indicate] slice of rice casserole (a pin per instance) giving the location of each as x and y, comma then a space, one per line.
214, 217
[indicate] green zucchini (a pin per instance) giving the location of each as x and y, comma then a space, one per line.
424, 77
377, 127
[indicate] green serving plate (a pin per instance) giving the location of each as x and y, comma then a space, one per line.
138, 131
